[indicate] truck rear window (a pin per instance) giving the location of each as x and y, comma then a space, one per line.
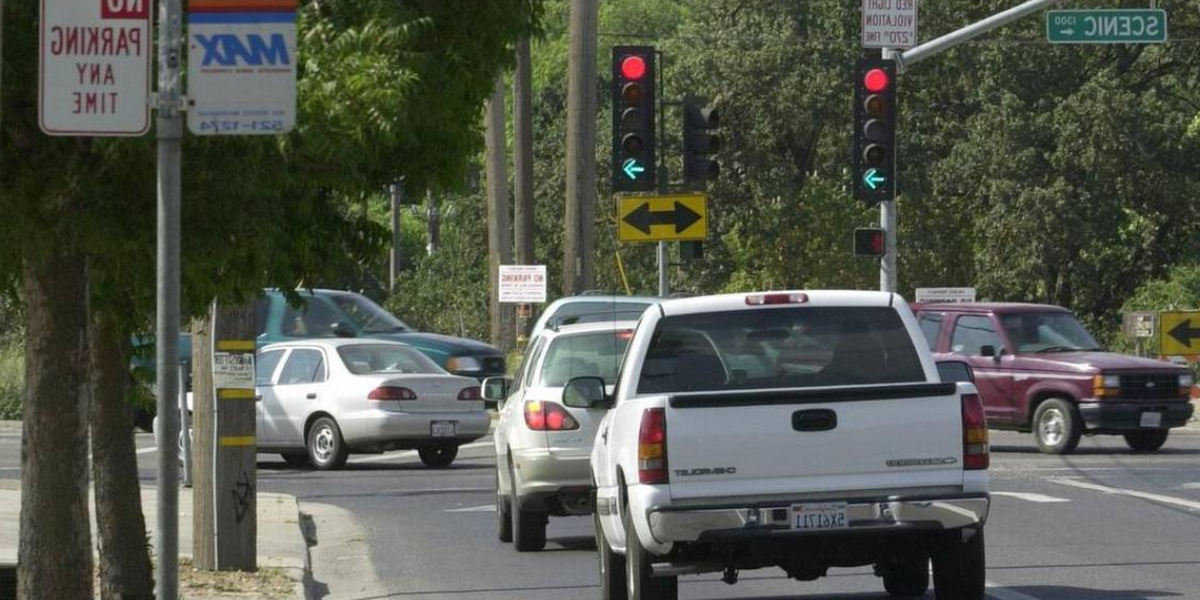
779, 348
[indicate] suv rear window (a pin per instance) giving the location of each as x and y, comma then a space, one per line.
779, 348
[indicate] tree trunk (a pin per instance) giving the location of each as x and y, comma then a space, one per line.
55, 553
581, 149
499, 215
125, 572
204, 525
523, 201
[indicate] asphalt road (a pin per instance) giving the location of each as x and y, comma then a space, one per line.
1101, 524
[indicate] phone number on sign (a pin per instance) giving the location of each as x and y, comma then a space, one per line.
218, 126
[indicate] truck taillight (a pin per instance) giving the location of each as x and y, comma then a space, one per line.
652, 447
470, 393
391, 392
548, 416
975, 433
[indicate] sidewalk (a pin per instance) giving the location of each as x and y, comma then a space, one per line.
281, 542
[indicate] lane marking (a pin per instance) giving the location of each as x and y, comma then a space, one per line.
485, 508
995, 590
396, 455
1188, 504
1191, 486
147, 450
1028, 497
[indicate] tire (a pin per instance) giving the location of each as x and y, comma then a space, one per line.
528, 527
1057, 426
959, 567
639, 583
504, 529
612, 565
326, 449
438, 457
907, 578
1148, 440
295, 459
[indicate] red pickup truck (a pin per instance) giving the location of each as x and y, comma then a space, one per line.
1039, 370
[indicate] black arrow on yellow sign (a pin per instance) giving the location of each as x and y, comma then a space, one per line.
680, 216
1184, 333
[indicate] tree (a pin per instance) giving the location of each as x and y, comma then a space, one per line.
383, 92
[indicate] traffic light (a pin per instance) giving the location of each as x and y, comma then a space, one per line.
875, 130
870, 242
699, 142
634, 107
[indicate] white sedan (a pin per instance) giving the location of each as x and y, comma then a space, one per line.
321, 400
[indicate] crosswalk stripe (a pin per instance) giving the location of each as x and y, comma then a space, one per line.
1031, 497
1189, 504
485, 508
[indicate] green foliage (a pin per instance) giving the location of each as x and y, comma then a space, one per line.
12, 380
1179, 291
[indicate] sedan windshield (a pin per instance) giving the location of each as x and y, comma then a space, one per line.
1047, 332
595, 354
362, 359
368, 316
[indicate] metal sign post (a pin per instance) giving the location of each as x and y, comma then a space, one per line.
170, 138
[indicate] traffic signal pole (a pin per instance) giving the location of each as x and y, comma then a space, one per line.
887, 209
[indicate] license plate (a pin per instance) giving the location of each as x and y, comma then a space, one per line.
443, 429
1151, 419
824, 515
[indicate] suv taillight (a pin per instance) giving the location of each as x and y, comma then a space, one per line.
975, 433
391, 392
548, 416
470, 393
652, 447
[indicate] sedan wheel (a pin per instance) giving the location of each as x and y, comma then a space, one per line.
326, 450
438, 456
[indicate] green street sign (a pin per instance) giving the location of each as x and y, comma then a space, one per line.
1110, 26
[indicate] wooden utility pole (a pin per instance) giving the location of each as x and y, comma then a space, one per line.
394, 262
225, 528
581, 148
499, 219
523, 223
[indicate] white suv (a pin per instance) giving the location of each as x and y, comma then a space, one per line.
542, 442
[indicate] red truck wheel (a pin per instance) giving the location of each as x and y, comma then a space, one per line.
1057, 426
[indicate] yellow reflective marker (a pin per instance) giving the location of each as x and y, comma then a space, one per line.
235, 394
662, 218
238, 441
236, 345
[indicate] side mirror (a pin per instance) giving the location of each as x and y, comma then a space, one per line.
585, 392
495, 388
955, 371
990, 350
343, 329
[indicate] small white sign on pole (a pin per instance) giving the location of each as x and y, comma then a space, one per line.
522, 283
945, 295
233, 370
889, 23
94, 67
241, 67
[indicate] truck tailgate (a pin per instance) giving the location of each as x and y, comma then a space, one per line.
857, 441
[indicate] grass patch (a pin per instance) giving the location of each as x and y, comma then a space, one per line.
267, 583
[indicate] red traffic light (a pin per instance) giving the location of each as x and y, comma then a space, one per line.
876, 80
633, 67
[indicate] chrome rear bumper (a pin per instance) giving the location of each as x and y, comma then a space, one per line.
688, 525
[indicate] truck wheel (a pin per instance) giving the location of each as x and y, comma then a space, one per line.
528, 527
639, 582
326, 449
504, 530
612, 565
1147, 441
959, 567
907, 578
438, 456
1057, 426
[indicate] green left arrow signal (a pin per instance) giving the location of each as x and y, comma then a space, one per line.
873, 179
632, 168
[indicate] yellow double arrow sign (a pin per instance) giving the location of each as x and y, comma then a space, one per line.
662, 218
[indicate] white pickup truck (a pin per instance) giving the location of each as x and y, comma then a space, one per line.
801, 430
